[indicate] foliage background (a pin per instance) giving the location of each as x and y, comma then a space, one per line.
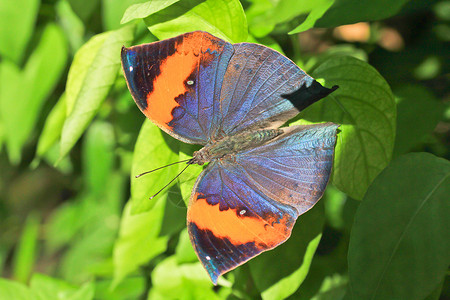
73, 225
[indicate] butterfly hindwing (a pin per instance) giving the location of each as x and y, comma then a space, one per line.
175, 82
247, 205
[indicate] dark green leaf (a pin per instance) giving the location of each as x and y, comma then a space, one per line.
415, 105
365, 108
222, 18
53, 127
400, 241
91, 76
353, 11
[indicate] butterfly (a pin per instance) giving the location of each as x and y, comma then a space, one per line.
232, 99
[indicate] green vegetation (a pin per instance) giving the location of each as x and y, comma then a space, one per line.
75, 225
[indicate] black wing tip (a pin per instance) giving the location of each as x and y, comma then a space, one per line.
307, 95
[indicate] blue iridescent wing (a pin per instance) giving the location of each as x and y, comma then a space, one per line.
244, 206
263, 89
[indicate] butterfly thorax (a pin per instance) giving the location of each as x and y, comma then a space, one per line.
231, 145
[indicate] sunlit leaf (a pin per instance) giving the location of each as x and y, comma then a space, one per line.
45, 287
222, 18
16, 26
98, 154
26, 251
20, 117
91, 76
14, 290
172, 280
143, 10
138, 240
400, 241
365, 108
153, 149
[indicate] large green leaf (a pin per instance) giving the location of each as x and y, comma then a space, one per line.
278, 273
222, 18
17, 20
153, 149
400, 241
415, 105
91, 76
138, 240
143, 10
31, 86
353, 11
364, 107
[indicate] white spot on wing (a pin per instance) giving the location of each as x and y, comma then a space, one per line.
131, 69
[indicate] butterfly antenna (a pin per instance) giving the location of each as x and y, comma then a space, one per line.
169, 182
178, 162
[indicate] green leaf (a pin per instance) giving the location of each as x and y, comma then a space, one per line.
16, 26
222, 18
400, 241
138, 240
112, 12
353, 11
415, 105
265, 15
153, 149
129, 288
84, 8
278, 273
30, 85
98, 156
185, 252
24, 256
72, 26
143, 10
91, 76
320, 7
48, 288
53, 127
365, 108
186, 281
14, 290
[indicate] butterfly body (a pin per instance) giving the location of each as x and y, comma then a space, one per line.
232, 99
231, 145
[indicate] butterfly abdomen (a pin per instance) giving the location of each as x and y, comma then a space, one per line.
231, 145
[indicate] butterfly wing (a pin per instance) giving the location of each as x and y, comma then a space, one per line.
175, 82
262, 88
247, 205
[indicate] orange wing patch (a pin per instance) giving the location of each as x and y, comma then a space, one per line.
175, 70
266, 233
